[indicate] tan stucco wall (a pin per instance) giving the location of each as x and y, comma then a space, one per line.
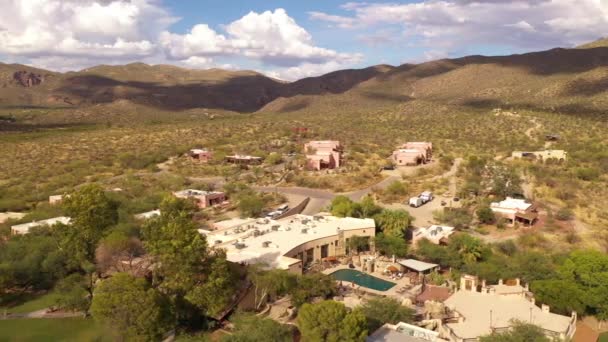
330, 241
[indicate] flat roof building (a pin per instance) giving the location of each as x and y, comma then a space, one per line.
289, 243
413, 153
514, 209
24, 228
559, 155
203, 199
403, 332
323, 154
148, 214
435, 234
241, 159
495, 308
201, 155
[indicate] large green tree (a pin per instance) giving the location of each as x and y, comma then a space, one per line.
92, 213
186, 269
273, 282
131, 308
251, 328
390, 245
330, 321
383, 310
394, 222
581, 285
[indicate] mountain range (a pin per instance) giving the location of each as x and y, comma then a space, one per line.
569, 80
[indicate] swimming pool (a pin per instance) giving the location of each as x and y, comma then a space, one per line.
362, 279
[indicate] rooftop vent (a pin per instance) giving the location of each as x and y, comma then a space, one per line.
266, 244
217, 242
304, 230
257, 233
275, 227
239, 245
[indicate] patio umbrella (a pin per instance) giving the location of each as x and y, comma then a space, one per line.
392, 269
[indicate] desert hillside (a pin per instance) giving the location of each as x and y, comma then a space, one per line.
561, 80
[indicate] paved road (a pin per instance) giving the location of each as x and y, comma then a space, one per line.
320, 199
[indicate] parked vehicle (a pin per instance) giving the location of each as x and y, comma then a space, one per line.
273, 214
443, 203
415, 202
426, 196
456, 199
283, 208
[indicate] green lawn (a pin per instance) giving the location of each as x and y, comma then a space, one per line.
603, 337
29, 303
59, 329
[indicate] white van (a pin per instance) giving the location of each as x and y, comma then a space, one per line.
416, 202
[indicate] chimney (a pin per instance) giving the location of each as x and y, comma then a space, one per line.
545, 308
526, 287
483, 283
573, 315
499, 281
517, 281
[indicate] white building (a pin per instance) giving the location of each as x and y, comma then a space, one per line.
403, 332
494, 309
148, 214
288, 243
24, 228
514, 209
434, 234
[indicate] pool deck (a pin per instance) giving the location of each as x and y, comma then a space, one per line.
392, 292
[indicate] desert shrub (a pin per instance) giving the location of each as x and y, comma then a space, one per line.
564, 214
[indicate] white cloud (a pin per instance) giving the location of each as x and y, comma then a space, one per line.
271, 37
339, 21
454, 24
73, 34
110, 30
305, 70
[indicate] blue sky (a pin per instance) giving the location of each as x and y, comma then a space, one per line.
287, 39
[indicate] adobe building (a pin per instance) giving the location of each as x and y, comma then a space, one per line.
325, 154
558, 155
203, 199
413, 153
290, 243
477, 310
201, 155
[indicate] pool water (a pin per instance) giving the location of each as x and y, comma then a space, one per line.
362, 279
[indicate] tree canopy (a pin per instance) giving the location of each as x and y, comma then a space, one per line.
330, 321
385, 310
394, 222
133, 309
581, 284
187, 270
390, 245
251, 328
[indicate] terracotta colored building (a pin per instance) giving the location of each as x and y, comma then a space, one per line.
413, 153
324, 154
201, 155
203, 199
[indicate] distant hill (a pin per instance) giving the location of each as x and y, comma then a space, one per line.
164, 87
602, 42
571, 80
568, 80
